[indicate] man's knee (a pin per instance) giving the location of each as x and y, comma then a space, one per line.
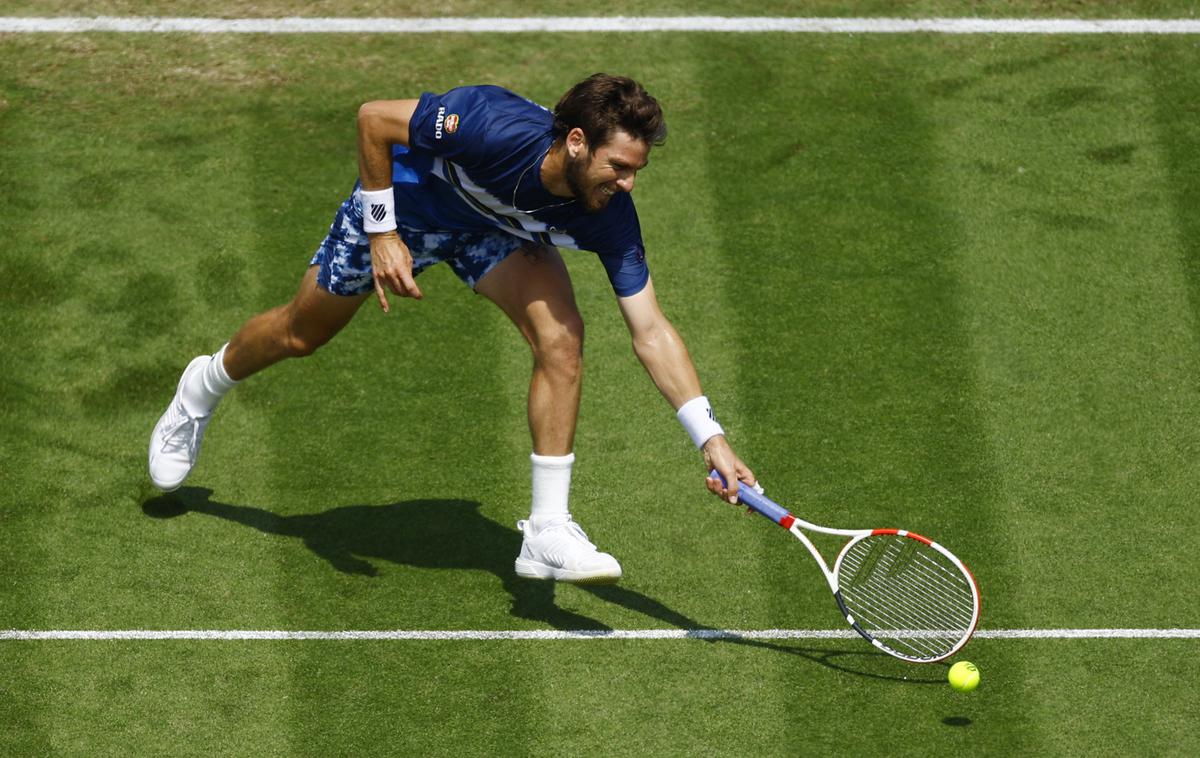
302, 338
314, 317
303, 345
560, 345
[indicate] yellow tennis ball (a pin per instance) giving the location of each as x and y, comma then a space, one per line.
963, 676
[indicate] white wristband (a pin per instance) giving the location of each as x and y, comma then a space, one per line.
379, 210
697, 418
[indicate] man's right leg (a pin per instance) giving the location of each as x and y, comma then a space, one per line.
533, 288
293, 330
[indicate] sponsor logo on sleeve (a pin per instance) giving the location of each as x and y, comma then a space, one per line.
441, 120
452, 123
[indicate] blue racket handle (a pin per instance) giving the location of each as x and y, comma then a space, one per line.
760, 503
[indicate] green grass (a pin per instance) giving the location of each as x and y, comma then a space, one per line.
948, 283
321, 698
490, 8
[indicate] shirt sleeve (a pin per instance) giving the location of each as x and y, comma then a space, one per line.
453, 125
616, 237
627, 272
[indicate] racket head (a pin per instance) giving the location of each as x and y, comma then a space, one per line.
906, 594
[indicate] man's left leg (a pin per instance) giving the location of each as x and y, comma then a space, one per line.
534, 289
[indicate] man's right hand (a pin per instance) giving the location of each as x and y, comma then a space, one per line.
719, 456
391, 265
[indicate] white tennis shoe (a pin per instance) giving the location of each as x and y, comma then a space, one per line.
561, 551
175, 442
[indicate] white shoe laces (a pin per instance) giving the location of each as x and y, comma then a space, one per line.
189, 440
575, 531
568, 530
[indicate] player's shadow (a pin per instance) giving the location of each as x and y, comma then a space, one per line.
435, 534
453, 534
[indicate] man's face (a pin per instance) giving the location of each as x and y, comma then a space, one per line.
594, 176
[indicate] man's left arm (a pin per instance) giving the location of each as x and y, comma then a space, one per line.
662, 351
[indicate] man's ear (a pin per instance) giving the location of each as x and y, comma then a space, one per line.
576, 143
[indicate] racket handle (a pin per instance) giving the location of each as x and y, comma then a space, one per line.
759, 503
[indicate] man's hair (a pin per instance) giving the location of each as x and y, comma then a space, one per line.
602, 104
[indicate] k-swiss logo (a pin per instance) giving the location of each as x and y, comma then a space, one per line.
378, 212
452, 123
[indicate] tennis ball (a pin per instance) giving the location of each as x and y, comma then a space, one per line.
963, 676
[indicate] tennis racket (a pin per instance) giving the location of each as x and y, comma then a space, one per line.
905, 594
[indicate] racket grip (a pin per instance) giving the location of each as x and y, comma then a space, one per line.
759, 503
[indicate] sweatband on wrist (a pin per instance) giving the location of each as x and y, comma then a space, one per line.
697, 418
379, 210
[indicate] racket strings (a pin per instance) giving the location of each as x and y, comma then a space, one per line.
906, 603
907, 595
904, 612
922, 577
922, 589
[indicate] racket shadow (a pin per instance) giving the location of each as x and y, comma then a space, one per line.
833, 660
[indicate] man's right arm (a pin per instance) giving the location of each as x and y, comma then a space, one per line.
662, 352
381, 124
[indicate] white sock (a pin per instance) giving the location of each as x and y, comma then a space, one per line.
551, 483
205, 388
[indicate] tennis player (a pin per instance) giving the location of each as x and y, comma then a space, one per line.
493, 185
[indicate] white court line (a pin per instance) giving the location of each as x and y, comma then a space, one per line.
550, 634
293, 25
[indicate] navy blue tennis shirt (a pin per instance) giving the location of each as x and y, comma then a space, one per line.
474, 164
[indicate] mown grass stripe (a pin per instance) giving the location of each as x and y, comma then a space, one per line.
734, 24
1080, 320
1174, 85
558, 634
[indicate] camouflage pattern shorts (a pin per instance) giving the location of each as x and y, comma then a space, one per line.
344, 257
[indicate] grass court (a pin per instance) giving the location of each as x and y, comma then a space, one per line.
946, 283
